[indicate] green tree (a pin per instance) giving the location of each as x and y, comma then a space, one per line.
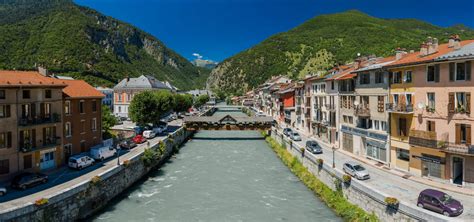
144, 108
108, 120
201, 100
165, 102
183, 102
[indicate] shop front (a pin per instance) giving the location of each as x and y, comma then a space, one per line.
428, 162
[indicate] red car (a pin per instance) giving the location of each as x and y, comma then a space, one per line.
138, 139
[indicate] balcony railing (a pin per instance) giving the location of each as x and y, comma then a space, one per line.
317, 106
399, 108
362, 111
330, 106
457, 148
28, 146
37, 120
424, 139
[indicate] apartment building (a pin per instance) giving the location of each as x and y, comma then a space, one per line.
30, 116
299, 106
286, 103
82, 117
430, 105
108, 100
128, 87
316, 90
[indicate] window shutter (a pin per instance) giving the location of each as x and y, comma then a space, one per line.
458, 134
9, 139
8, 111
44, 136
468, 134
433, 126
437, 73
451, 103
451, 71
468, 70
468, 102
33, 132
42, 109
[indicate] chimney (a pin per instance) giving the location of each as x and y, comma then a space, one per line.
399, 53
423, 49
457, 42
128, 78
43, 71
451, 41
433, 47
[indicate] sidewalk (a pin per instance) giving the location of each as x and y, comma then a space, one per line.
425, 181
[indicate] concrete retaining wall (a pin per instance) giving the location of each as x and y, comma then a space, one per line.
86, 198
357, 192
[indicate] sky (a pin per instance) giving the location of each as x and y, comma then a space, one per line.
218, 29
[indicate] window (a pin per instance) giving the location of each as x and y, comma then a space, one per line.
119, 109
81, 107
4, 166
383, 125
463, 134
129, 97
119, 97
395, 98
461, 71
332, 85
5, 111
403, 154
378, 77
323, 88
376, 125
431, 102
430, 126
409, 99
27, 161
364, 78
6, 140
402, 127
397, 77
460, 100
408, 77
83, 126
94, 124
94, 106
432, 73
380, 104
26, 94
47, 94
2, 94
68, 129
67, 107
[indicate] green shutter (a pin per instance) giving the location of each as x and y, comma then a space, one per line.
451, 71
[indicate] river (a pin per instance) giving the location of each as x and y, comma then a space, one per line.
220, 176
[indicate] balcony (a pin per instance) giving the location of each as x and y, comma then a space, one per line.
399, 108
317, 106
38, 120
29, 146
462, 149
362, 112
423, 138
330, 106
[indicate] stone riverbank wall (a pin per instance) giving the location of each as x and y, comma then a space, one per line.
84, 199
357, 192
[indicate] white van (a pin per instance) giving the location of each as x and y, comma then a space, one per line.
102, 152
149, 134
80, 161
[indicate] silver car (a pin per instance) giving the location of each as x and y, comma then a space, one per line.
295, 136
356, 170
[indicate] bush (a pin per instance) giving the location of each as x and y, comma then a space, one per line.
346, 178
391, 201
126, 163
320, 162
149, 157
96, 180
334, 199
41, 202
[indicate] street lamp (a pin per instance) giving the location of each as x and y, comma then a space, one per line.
117, 149
333, 157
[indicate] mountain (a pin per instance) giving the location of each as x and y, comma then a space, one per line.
205, 63
321, 42
77, 41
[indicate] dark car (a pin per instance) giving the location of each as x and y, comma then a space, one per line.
313, 147
127, 144
26, 180
440, 202
287, 131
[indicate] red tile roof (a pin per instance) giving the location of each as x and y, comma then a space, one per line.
80, 89
415, 58
9, 78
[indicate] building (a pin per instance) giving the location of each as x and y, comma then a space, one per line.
286, 104
299, 106
430, 108
82, 117
108, 100
128, 87
30, 115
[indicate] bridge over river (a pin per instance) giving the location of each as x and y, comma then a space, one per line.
220, 176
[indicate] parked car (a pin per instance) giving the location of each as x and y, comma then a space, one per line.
356, 170
138, 130
313, 147
295, 136
3, 191
123, 118
287, 131
26, 180
80, 161
149, 134
260, 114
119, 121
138, 139
440, 202
127, 144
102, 152
160, 128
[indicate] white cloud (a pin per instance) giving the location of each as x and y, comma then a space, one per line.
197, 55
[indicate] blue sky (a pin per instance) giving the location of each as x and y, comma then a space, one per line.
217, 29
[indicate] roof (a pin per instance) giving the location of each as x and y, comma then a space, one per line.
433, 192
379, 63
415, 58
9, 78
64, 77
100, 88
466, 51
345, 74
80, 89
314, 78
142, 82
